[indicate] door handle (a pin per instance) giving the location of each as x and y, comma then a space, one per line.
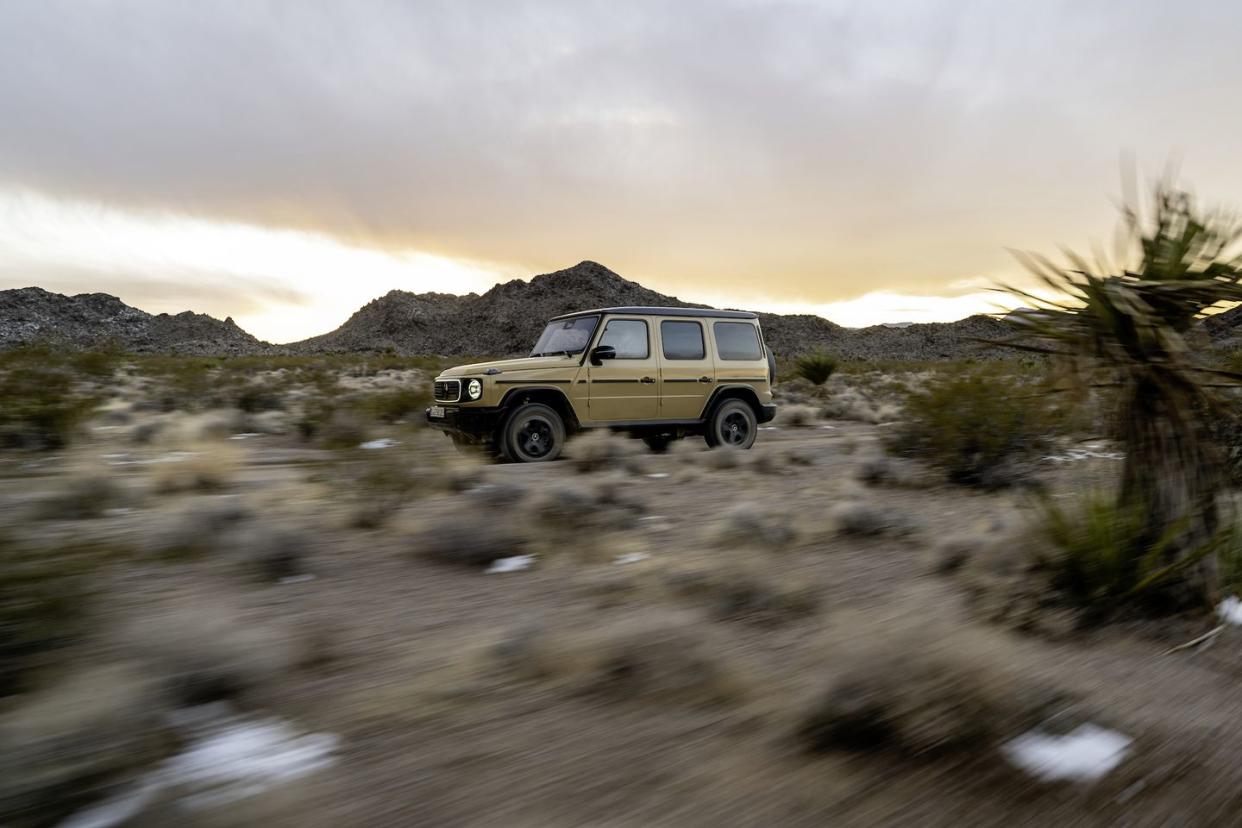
647, 380
705, 379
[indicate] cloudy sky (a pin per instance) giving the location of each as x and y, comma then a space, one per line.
284, 162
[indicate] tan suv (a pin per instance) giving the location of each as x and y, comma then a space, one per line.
658, 373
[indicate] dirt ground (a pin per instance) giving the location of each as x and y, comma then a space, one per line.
462, 698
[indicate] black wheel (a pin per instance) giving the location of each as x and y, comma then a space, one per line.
732, 425
534, 433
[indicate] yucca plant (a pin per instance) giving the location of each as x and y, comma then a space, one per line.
1136, 327
816, 367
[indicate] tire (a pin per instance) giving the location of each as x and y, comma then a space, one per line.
732, 425
534, 433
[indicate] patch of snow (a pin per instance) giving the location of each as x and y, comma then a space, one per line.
228, 758
381, 443
829, 426
246, 757
118, 511
1075, 455
245, 435
514, 564
125, 459
1230, 610
658, 475
1086, 754
297, 579
119, 809
769, 428
630, 557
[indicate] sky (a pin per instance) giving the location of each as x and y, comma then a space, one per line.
285, 162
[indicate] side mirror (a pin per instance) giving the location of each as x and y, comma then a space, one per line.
602, 352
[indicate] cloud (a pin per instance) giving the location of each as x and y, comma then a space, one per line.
826, 149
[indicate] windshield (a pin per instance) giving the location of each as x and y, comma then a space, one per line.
565, 336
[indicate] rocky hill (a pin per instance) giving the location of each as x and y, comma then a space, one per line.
504, 320
507, 320
97, 320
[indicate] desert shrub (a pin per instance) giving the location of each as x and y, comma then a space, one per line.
975, 426
205, 651
460, 538
396, 405
732, 591
82, 497
880, 470
865, 520
198, 529
341, 430
951, 554
204, 472
101, 364
382, 482
66, 747
42, 408
269, 553
659, 657
816, 367
797, 416
254, 398
43, 599
750, 524
1101, 557
601, 450
921, 694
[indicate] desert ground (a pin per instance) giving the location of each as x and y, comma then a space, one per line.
267, 594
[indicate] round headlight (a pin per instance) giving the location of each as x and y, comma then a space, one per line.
474, 389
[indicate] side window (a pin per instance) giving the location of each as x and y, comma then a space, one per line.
682, 340
737, 340
628, 336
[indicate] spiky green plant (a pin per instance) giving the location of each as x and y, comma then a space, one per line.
1136, 327
816, 367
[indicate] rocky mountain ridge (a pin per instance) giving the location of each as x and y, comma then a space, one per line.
505, 320
98, 320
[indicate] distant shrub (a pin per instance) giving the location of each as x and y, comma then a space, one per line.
254, 398
205, 472
816, 367
83, 497
42, 408
975, 426
393, 406
203, 652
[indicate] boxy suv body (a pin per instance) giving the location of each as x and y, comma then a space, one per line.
658, 373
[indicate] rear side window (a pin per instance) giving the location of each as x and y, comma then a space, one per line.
737, 340
628, 336
682, 340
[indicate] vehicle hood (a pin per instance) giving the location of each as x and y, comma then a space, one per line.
510, 366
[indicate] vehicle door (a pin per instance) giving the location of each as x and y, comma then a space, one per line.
687, 370
624, 387
740, 359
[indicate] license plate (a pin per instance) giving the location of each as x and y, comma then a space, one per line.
437, 411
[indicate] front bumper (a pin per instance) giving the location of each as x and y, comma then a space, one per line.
474, 423
767, 413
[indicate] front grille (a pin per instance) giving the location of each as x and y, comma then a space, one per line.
447, 390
